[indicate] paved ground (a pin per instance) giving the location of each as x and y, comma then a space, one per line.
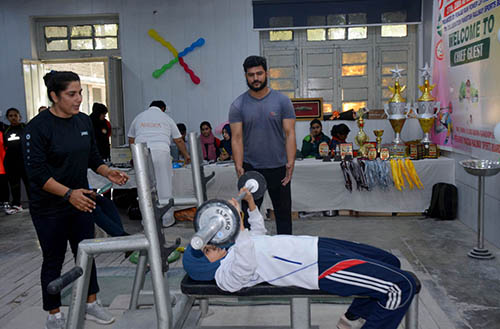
459, 292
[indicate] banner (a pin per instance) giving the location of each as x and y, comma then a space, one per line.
466, 71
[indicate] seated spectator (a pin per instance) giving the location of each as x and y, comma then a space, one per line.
174, 150
339, 135
42, 108
209, 143
226, 152
310, 143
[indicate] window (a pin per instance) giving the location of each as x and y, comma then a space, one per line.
348, 73
77, 37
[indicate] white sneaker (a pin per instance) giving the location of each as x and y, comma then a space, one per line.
11, 210
55, 321
344, 323
95, 312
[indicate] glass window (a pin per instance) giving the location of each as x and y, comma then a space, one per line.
56, 31
284, 84
289, 94
346, 106
316, 35
81, 44
327, 108
56, 45
336, 33
355, 33
353, 70
394, 17
356, 19
354, 64
354, 58
281, 21
316, 20
281, 72
336, 20
106, 43
106, 30
81, 31
286, 35
393, 31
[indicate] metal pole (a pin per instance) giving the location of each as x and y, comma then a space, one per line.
300, 309
76, 311
162, 295
194, 146
480, 252
411, 318
140, 274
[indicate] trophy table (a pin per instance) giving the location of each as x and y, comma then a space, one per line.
481, 169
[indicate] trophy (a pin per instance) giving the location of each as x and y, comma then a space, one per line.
361, 137
425, 106
397, 110
378, 133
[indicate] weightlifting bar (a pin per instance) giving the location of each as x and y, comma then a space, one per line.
218, 221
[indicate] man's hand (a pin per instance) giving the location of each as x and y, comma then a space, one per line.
187, 160
81, 201
117, 177
239, 171
289, 173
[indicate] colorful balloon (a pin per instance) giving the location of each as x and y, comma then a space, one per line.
178, 56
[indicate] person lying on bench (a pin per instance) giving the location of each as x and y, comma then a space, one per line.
335, 266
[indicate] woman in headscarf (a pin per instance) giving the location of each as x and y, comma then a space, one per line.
209, 143
310, 143
226, 152
102, 131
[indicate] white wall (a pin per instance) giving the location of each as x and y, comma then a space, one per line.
226, 26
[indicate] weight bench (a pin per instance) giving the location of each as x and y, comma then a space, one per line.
300, 304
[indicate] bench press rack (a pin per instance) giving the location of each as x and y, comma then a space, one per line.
300, 299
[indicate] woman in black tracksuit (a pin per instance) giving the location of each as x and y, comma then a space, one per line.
13, 162
59, 146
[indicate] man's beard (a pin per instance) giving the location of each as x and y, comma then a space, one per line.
256, 89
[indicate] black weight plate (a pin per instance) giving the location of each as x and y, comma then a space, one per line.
259, 178
232, 221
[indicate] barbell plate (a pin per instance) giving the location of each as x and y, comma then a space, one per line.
228, 212
257, 177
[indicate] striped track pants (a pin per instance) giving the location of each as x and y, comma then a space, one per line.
348, 268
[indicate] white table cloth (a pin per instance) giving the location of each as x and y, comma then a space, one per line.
318, 186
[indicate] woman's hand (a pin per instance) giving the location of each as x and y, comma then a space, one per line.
117, 177
81, 201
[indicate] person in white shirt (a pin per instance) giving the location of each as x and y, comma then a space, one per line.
155, 128
340, 267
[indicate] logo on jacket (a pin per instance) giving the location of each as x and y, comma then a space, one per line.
13, 137
85, 133
273, 114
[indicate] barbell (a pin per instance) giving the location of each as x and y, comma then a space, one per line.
218, 221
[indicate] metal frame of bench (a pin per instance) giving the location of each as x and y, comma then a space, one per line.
151, 245
300, 299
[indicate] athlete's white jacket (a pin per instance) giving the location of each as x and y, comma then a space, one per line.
281, 260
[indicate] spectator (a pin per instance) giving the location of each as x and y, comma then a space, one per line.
102, 129
155, 128
310, 143
13, 162
339, 135
59, 147
42, 108
263, 139
226, 152
174, 150
209, 143
4, 182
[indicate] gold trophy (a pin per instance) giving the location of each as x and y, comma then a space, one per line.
426, 105
397, 111
361, 137
378, 133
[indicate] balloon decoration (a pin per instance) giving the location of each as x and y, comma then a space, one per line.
178, 56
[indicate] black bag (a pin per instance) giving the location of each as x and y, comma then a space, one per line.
444, 202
